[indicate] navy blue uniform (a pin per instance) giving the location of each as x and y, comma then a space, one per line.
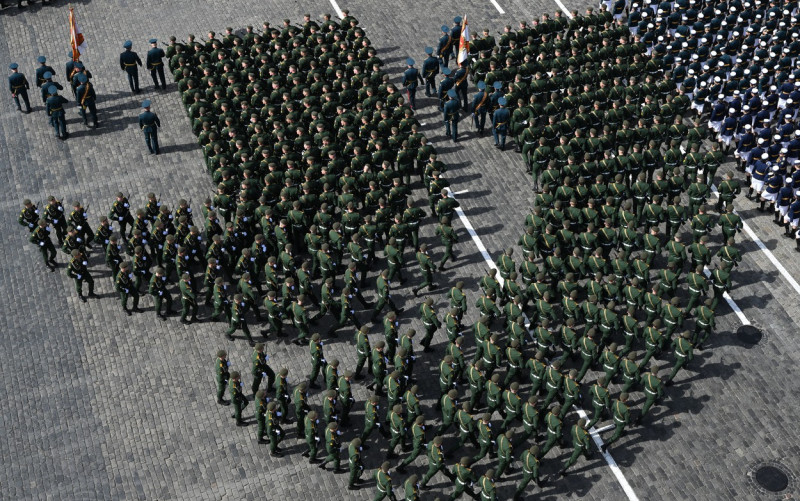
55, 109
461, 85
411, 79
430, 68
480, 105
128, 61
87, 99
500, 120
156, 66
451, 108
40, 71
149, 123
18, 85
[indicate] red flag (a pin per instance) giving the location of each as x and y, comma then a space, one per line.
76, 39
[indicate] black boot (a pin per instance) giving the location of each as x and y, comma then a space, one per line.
761, 205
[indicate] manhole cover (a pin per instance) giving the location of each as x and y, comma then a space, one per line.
749, 335
771, 478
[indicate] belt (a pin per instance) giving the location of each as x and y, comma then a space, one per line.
618, 419
56, 109
609, 367
669, 321
130, 64
648, 390
509, 409
550, 430
462, 429
18, 86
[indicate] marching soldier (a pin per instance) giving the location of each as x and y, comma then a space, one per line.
222, 364
78, 270
155, 64
41, 238
129, 62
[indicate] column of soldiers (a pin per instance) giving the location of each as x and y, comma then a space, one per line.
79, 79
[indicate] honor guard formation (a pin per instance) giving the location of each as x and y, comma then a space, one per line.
329, 200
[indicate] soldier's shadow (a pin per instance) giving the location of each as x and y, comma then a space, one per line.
577, 483
719, 369
654, 431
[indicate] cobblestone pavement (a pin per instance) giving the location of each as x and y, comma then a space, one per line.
98, 405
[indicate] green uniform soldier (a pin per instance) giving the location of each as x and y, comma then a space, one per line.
571, 392
653, 391
580, 445
622, 416
411, 488
431, 322
238, 311
281, 388
222, 364
530, 470
78, 270
332, 447
301, 408
310, 423
487, 486
512, 406
29, 215
600, 400
329, 411
363, 349
494, 394
435, 461
588, 349
40, 237
485, 438
466, 426
630, 371
331, 375
222, 305
536, 372
418, 443
274, 429
654, 341
260, 368
554, 433
448, 404
317, 359
261, 416
126, 288
371, 420
188, 299
354, 463
448, 236
346, 397
397, 428
158, 289
684, 352
237, 398
383, 482
505, 452
704, 323
464, 479
300, 319
427, 268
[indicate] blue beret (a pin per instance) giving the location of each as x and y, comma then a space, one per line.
153, 40
79, 65
481, 85
128, 44
42, 59
457, 19
410, 61
502, 101
446, 71
13, 66
445, 29
52, 90
47, 75
429, 50
497, 84
146, 103
70, 55
82, 78
451, 93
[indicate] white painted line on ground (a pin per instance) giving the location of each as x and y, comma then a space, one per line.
597, 440
611, 463
605, 428
459, 192
774, 260
337, 9
564, 8
497, 6
728, 299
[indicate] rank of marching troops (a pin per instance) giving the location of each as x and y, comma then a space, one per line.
79, 80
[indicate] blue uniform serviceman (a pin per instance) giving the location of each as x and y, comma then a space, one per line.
86, 99
500, 120
129, 62
411, 78
18, 85
430, 68
480, 105
55, 110
445, 48
451, 108
445, 86
149, 123
155, 63
41, 70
